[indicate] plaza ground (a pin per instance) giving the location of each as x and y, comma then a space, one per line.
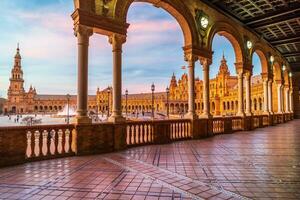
261, 164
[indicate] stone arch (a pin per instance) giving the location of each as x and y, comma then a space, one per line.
286, 78
258, 49
175, 8
277, 71
230, 33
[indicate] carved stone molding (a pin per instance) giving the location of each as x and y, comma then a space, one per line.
117, 40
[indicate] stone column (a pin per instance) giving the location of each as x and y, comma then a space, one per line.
206, 105
240, 73
191, 59
270, 94
266, 97
248, 93
291, 101
117, 41
279, 95
287, 99
82, 33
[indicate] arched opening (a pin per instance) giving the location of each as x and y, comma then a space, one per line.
277, 88
227, 55
260, 71
156, 63
183, 17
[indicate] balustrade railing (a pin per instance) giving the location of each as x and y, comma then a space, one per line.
139, 133
180, 129
237, 123
49, 141
145, 132
255, 121
218, 125
21, 144
265, 120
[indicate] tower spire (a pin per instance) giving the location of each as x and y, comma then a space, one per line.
18, 55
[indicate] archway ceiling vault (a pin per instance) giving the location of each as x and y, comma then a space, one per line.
277, 21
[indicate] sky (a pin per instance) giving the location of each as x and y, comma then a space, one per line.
44, 30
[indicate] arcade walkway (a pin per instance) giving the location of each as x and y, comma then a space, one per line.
263, 164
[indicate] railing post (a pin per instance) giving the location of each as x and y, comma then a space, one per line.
261, 121
120, 136
270, 117
13, 147
227, 125
199, 128
162, 132
98, 138
248, 123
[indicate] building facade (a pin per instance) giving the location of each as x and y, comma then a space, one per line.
19, 101
223, 96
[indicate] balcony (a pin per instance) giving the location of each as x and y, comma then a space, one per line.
32, 143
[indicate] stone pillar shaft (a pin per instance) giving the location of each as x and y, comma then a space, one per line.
206, 109
270, 92
240, 95
117, 42
287, 100
83, 34
266, 96
279, 95
191, 86
248, 93
291, 101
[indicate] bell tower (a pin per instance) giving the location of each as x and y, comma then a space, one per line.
16, 90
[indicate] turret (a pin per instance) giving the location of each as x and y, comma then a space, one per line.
173, 82
223, 69
16, 87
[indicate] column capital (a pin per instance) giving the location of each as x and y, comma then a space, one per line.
239, 68
247, 74
205, 62
117, 40
189, 57
82, 30
278, 82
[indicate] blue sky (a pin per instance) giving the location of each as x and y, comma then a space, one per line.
48, 47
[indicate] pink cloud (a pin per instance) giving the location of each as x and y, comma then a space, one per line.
154, 26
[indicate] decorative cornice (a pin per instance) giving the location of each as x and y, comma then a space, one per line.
100, 24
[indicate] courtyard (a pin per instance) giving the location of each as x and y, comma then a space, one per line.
261, 164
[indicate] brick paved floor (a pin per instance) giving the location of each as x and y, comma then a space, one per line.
262, 164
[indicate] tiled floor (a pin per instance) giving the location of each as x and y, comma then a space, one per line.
262, 164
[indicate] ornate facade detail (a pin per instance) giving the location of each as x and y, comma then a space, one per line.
19, 101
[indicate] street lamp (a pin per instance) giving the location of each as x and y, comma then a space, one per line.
68, 112
152, 89
126, 96
168, 92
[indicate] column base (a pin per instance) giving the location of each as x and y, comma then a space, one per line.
191, 115
241, 114
205, 116
82, 120
116, 119
266, 113
249, 114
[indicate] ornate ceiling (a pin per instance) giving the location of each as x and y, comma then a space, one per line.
277, 21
